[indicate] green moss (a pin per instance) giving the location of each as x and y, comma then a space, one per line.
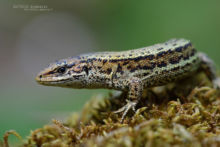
185, 113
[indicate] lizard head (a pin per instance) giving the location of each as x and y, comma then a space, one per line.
71, 72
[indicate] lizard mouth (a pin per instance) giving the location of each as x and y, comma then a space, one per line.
49, 80
64, 82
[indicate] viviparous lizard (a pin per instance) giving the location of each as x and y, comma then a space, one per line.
130, 71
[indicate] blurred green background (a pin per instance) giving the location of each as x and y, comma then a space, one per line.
34, 33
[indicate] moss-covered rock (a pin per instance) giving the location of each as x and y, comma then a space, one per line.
180, 114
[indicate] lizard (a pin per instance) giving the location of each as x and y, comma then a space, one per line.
130, 71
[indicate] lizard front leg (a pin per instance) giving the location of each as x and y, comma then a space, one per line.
208, 66
135, 87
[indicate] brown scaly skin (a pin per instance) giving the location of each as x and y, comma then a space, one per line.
130, 71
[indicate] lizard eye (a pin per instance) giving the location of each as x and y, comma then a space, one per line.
61, 70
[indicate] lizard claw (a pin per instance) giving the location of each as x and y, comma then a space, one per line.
126, 108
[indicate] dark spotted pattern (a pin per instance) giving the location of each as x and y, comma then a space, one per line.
123, 64
109, 70
145, 62
162, 64
119, 68
128, 71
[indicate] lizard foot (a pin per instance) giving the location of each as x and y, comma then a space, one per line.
126, 108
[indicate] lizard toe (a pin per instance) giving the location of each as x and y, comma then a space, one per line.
126, 108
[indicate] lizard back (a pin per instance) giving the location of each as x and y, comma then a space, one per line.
154, 65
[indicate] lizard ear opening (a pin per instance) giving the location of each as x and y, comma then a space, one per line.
85, 68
